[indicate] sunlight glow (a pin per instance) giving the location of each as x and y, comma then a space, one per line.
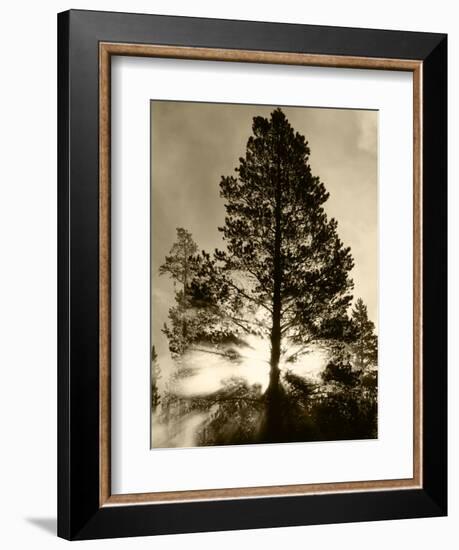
210, 367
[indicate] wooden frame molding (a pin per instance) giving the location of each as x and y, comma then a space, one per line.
106, 51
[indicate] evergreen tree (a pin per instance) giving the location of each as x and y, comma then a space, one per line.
285, 272
190, 320
365, 347
155, 376
181, 262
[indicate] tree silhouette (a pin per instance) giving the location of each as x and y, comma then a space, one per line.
190, 319
155, 376
181, 265
285, 272
365, 347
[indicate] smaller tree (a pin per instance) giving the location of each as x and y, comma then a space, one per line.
155, 376
181, 262
181, 265
365, 346
348, 407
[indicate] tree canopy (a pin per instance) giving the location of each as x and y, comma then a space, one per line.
285, 271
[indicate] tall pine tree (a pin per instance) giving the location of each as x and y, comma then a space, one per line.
285, 272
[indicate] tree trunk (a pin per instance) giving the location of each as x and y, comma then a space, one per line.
273, 413
273, 426
273, 393
274, 372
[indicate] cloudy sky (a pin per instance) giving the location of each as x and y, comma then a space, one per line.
194, 144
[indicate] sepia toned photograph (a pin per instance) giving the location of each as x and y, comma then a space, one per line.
264, 274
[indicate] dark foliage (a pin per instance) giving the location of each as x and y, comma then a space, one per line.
155, 376
340, 373
340, 407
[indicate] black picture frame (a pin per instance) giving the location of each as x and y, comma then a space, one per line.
80, 515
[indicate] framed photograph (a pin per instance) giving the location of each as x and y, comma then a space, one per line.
252, 274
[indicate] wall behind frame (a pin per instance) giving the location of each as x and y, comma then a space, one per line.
28, 274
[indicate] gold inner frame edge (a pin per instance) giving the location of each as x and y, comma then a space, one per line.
106, 51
